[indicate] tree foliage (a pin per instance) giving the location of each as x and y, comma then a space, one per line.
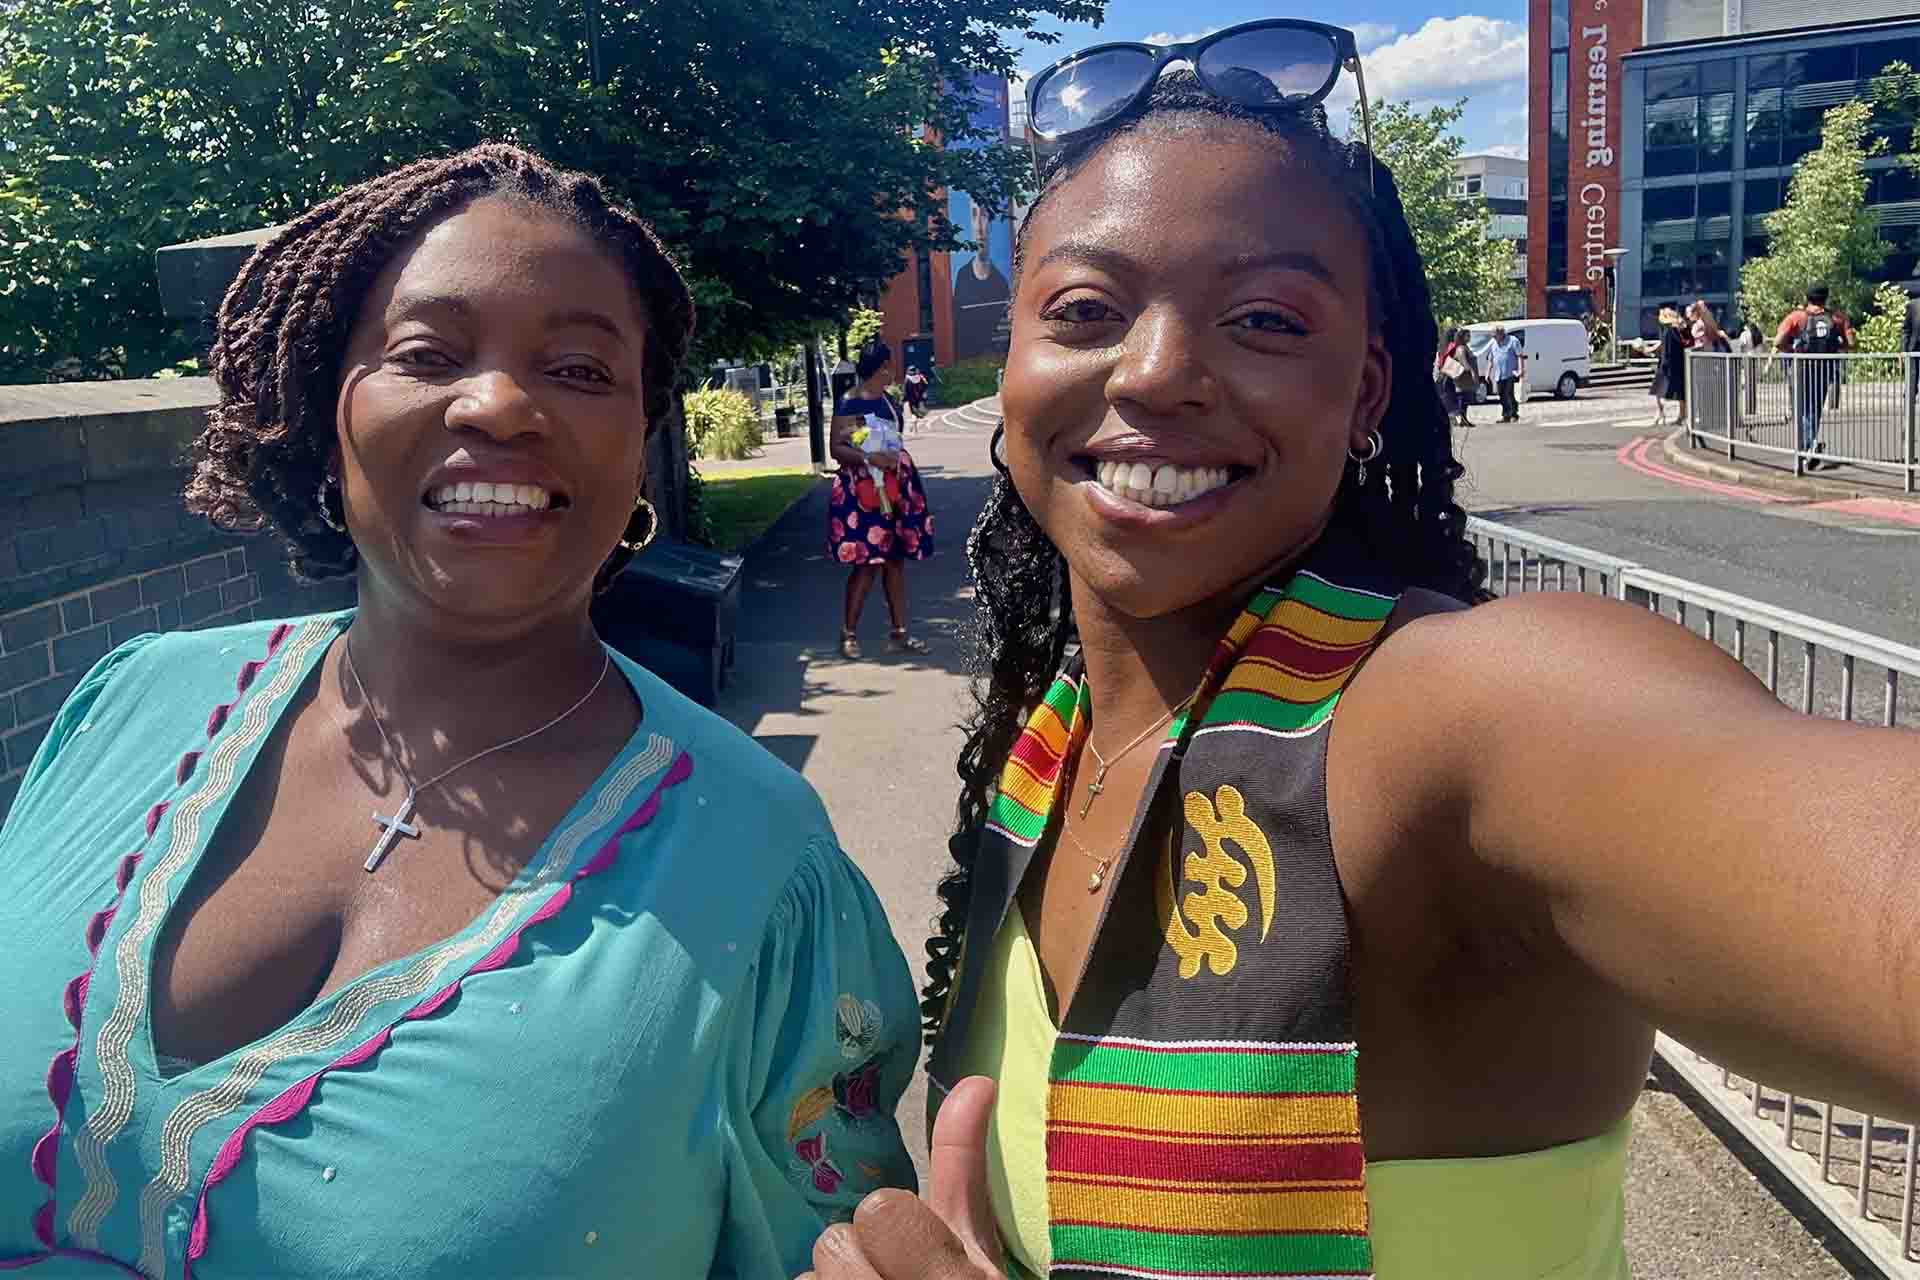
1466, 271
775, 145
1824, 232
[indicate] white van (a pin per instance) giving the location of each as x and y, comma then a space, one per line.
1558, 359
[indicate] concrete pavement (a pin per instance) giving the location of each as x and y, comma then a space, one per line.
878, 739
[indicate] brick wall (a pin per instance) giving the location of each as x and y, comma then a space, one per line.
95, 547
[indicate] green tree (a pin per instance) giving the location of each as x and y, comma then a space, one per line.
1824, 232
780, 148
1466, 271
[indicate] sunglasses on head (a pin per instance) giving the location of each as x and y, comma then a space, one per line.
1276, 64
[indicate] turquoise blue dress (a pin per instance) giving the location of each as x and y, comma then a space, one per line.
673, 1047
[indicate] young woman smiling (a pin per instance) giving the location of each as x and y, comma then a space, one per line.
594, 992
1310, 922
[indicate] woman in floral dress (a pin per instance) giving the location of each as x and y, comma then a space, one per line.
878, 517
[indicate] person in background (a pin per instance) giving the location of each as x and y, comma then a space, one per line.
915, 390
877, 516
1748, 343
1455, 374
1813, 331
1707, 334
433, 938
1670, 366
1507, 364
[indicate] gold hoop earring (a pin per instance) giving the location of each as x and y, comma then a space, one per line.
653, 526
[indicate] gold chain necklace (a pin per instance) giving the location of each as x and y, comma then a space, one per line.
1098, 876
1101, 764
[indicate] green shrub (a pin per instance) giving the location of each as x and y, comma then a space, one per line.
967, 381
722, 424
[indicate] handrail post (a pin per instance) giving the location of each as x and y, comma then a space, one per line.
1910, 366
1736, 375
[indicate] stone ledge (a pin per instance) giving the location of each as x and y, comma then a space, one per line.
66, 434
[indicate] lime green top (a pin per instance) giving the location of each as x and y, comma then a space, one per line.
1556, 1214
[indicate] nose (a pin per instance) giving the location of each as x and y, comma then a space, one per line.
1162, 366
495, 403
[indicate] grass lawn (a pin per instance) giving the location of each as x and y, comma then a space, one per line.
742, 505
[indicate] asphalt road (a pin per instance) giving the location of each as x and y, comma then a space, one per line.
878, 737
1557, 472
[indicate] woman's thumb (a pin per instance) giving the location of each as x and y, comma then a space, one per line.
957, 1168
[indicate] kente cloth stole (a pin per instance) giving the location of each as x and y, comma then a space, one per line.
1201, 1112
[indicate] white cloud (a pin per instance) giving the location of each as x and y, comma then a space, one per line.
1446, 58
1511, 150
1167, 37
1369, 35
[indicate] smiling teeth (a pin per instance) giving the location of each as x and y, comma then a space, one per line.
1162, 485
485, 499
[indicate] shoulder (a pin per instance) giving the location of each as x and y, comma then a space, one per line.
197, 663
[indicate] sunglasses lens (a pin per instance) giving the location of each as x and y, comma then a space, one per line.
1089, 90
1270, 66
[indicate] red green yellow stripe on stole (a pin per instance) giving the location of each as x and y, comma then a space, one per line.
1288, 668
1032, 771
1205, 1158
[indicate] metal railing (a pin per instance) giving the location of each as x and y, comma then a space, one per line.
1857, 410
1858, 1170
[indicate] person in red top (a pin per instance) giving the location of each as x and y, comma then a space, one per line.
1812, 330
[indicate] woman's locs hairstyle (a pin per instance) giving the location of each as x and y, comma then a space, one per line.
284, 325
1403, 508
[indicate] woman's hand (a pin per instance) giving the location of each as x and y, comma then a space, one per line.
886, 459
949, 1235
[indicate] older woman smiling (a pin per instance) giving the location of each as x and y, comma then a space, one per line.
434, 938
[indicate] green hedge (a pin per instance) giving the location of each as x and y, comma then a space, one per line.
722, 424
967, 381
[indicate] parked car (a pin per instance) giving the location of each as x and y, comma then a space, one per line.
1558, 359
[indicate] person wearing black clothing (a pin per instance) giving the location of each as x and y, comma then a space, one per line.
1910, 342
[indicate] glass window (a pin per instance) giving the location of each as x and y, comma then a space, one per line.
1766, 72
1672, 135
1557, 26
1473, 186
1667, 204
1709, 266
1717, 76
1892, 185
1558, 64
1716, 200
1821, 66
1762, 197
1672, 82
1764, 127
1716, 133
1875, 57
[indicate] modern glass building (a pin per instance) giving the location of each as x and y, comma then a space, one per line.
1711, 130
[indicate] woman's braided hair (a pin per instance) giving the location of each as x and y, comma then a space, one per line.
1405, 512
286, 319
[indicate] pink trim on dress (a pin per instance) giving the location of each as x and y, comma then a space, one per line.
292, 1100
73, 997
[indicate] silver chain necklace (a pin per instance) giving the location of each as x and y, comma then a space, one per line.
397, 825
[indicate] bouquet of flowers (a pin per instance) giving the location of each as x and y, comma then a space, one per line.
880, 435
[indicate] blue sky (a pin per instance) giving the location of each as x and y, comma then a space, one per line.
1410, 51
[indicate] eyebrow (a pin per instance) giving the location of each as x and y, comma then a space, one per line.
1082, 253
414, 304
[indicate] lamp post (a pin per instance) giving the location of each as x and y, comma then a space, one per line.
1613, 257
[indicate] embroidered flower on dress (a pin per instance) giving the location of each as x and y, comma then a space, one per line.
856, 1093
807, 1109
857, 1026
815, 1167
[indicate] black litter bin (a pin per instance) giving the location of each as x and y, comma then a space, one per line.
783, 423
673, 610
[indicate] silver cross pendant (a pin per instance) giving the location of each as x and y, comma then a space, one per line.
395, 827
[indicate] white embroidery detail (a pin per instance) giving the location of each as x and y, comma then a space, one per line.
129, 955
